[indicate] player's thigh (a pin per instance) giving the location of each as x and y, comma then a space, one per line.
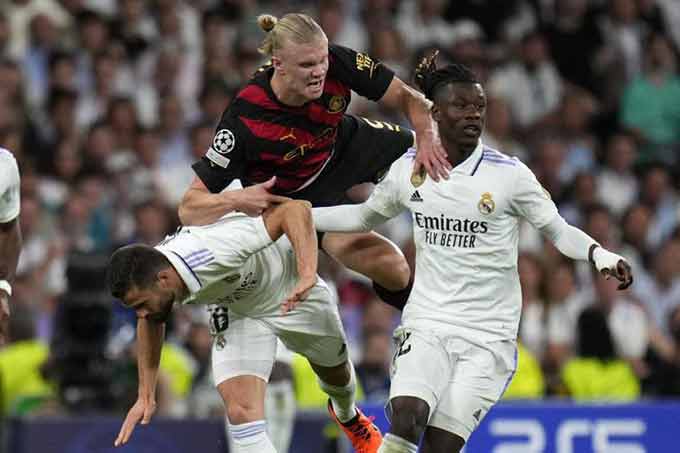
369, 254
313, 329
373, 146
242, 346
480, 377
420, 368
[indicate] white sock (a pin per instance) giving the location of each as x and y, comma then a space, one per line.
342, 398
279, 406
395, 444
251, 438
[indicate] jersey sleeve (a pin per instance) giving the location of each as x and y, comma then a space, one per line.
530, 200
386, 197
9, 187
225, 160
363, 74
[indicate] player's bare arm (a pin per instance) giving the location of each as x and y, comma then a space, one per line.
431, 155
201, 207
150, 336
294, 219
10, 246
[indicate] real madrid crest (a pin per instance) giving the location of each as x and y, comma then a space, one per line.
417, 179
486, 204
336, 104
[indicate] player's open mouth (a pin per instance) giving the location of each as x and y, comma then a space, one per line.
315, 85
472, 130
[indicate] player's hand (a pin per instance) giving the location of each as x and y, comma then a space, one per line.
4, 317
430, 155
299, 293
612, 265
142, 411
254, 200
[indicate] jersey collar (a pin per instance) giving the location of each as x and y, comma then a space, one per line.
185, 272
469, 165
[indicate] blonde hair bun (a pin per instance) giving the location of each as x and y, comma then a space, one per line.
266, 22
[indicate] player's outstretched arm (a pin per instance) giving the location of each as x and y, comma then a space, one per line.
10, 246
201, 207
576, 244
431, 154
294, 219
150, 336
348, 218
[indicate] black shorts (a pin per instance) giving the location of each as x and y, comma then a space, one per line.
364, 151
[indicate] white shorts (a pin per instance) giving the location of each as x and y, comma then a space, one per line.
459, 380
246, 345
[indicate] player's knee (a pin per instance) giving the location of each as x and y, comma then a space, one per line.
396, 271
408, 417
243, 412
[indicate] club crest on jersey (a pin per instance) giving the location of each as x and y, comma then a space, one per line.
224, 141
486, 204
336, 104
417, 179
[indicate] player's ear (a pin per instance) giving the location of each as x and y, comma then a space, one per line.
164, 278
276, 63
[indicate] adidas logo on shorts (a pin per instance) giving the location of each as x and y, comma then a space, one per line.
416, 196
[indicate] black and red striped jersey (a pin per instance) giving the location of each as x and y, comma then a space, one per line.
259, 137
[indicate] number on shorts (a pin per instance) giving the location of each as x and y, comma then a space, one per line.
403, 347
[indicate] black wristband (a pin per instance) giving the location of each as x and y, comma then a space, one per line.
590, 253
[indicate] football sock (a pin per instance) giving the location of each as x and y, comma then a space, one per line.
251, 438
395, 444
342, 397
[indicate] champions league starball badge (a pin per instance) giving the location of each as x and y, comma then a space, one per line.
417, 179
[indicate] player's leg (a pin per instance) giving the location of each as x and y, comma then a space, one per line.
438, 440
279, 400
242, 360
377, 258
481, 375
420, 373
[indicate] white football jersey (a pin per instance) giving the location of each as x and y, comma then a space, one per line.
233, 262
9, 187
466, 233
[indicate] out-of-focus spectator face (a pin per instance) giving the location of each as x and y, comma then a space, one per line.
656, 185
153, 223
8, 111
660, 54
167, 67
123, 115
147, 147
621, 153
331, 18
606, 290
218, 62
636, 224
530, 275
43, 31
67, 160
377, 349
667, 262
387, 44
169, 24
63, 113
623, 11
63, 73
104, 70
11, 81
94, 34
585, 188
93, 189
550, 158
99, 144
215, 97
534, 50
30, 216
131, 10
561, 283
4, 31
201, 139
171, 114
576, 113
498, 117
430, 8
599, 226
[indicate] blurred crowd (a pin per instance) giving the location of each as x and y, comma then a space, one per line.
106, 103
